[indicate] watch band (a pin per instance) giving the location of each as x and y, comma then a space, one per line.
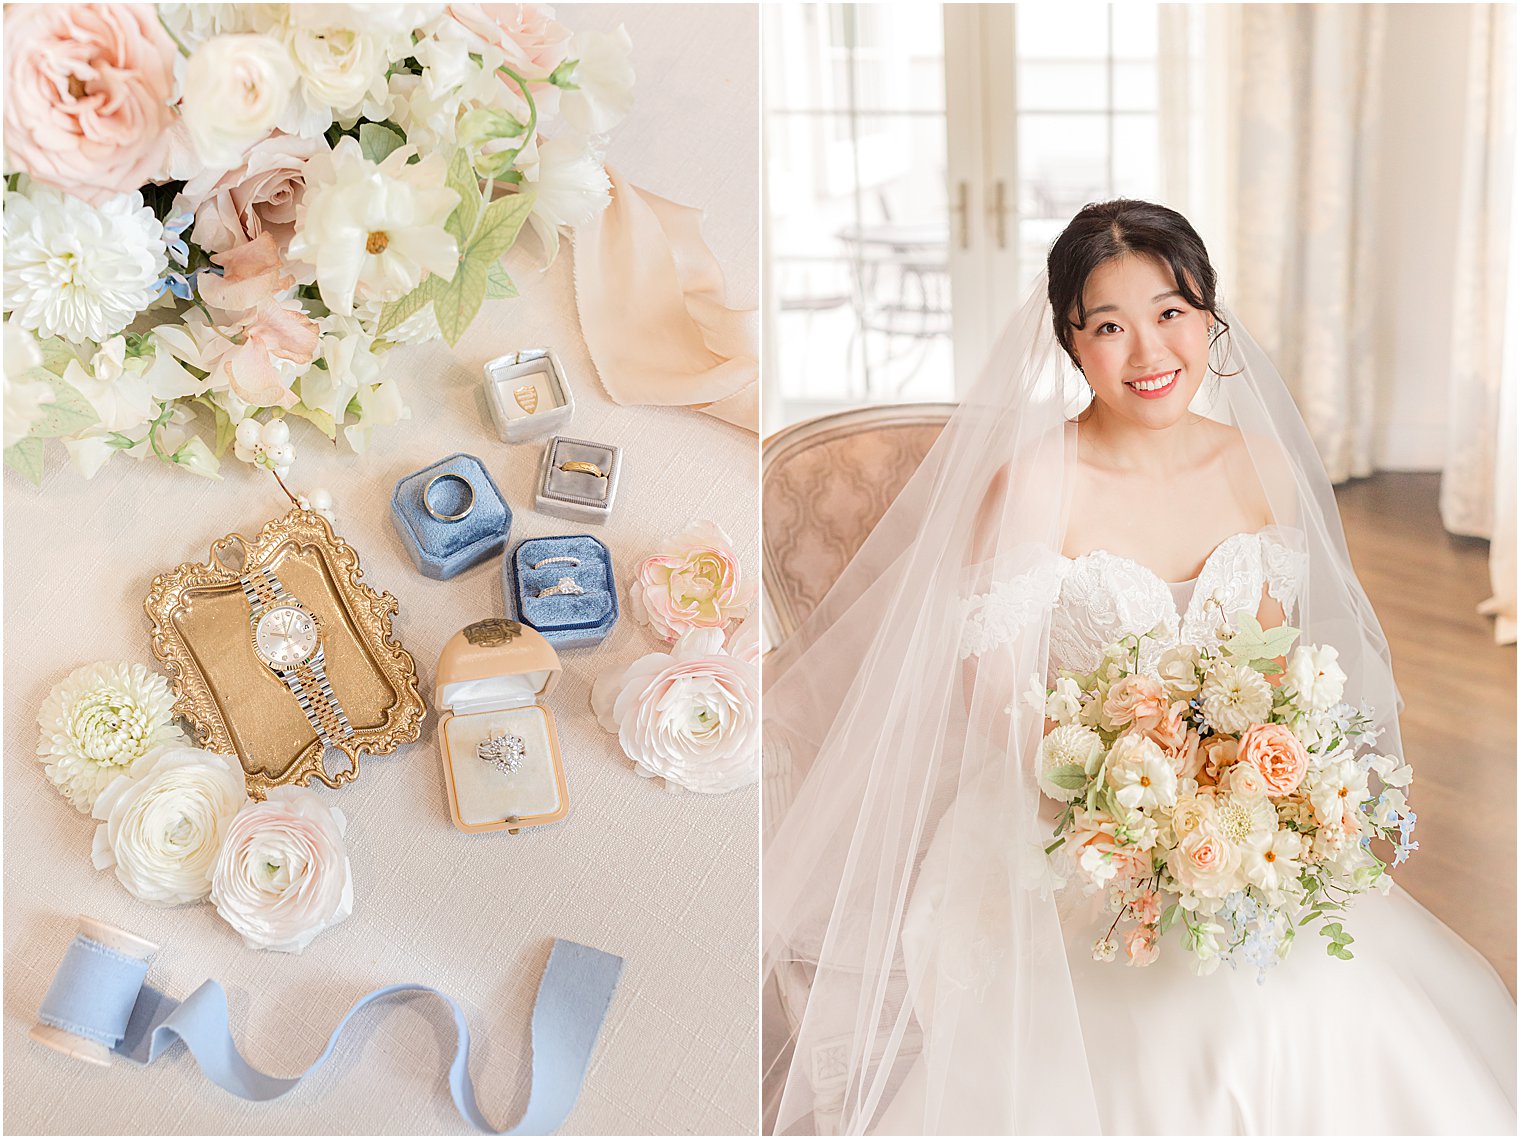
308, 683
312, 691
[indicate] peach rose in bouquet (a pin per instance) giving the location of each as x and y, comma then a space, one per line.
1276, 752
696, 584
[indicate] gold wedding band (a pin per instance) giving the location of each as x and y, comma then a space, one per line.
584, 468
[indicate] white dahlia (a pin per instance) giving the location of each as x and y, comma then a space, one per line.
1235, 697
98, 722
372, 230
1065, 755
79, 271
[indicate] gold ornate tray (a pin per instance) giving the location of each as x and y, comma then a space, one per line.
236, 705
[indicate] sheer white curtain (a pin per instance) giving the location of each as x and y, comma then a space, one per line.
1278, 136
1477, 486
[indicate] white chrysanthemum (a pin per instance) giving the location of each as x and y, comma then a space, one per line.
1067, 752
79, 271
1235, 697
373, 230
24, 396
98, 722
1246, 821
570, 185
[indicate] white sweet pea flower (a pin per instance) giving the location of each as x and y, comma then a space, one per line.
1065, 702
235, 89
570, 186
162, 825
372, 230
283, 875
1314, 677
24, 397
1337, 793
603, 77
1392, 770
380, 405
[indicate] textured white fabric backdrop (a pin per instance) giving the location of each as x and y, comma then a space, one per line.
667, 881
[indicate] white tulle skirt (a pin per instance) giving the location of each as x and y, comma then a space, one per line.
1416, 1035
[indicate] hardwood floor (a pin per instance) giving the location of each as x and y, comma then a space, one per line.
1459, 693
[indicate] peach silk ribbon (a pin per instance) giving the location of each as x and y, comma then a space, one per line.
650, 294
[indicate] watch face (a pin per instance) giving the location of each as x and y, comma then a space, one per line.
285, 636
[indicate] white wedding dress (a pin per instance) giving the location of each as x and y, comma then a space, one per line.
1415, 1035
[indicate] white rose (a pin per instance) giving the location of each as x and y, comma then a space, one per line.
690, 716
1316, 681
283, 875
1245, 780
235, 89
341, 61
1205, 863
162, 825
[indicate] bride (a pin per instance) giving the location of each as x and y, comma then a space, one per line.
1128, 463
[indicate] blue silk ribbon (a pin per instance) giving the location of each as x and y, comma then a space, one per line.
101, 994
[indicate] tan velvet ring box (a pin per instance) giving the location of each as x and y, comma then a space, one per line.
491, 676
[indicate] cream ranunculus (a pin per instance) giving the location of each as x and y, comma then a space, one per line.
372, 230
1235, 697
98, 722
162, 825
691, 716
1314, 678
235, 89
283, 875
696, 584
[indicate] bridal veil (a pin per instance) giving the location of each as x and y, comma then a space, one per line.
906, 885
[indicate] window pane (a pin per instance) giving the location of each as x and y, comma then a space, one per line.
1061, 85
1063, 163
1137, 156
900, 58
1135, 30
1061, 31
1135, 85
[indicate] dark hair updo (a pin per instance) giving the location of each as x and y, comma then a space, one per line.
1102, 231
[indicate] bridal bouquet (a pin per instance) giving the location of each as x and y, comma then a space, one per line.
218, 216
1213, 798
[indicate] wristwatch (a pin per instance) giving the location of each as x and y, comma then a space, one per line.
287, 638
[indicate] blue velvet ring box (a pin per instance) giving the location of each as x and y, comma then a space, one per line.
443, 549
567, 621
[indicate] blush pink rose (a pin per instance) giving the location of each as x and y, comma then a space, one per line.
1178, 741
257, 195
697, 584
1205, 863
1276, 752
526, 37
88, 89
1142, 946
1136, 700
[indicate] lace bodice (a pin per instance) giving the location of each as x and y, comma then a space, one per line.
1100, 597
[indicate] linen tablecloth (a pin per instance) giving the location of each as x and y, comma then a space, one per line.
667, 881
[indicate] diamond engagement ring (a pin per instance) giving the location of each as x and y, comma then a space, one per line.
565, 587
503, 752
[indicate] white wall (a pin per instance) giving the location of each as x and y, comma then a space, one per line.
1426, 54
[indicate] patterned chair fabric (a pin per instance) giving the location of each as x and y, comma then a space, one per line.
825, 483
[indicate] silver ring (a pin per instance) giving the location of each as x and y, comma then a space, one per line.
427, 494
503, 751
566, 558
565, 587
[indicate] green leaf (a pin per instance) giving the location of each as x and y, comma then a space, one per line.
457, 302
1168, 918
414, 302
463, 182
377, 141
1253, 643
499, 227
499, 286
68, 414
56, 354
1068, 777
26, 459
1266, 666
226, 430
487, 124
321, 420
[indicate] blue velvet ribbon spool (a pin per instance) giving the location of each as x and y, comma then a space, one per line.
99, 999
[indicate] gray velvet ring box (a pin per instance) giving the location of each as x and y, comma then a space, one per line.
567, 621
443, 549
578, 495
528, 394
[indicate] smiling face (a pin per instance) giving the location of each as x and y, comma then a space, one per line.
1144, 349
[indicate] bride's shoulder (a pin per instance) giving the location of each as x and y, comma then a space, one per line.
1256, 467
